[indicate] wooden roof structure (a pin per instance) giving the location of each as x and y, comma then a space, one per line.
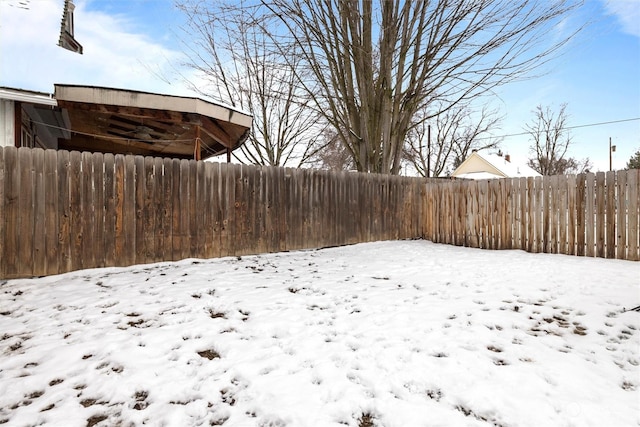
142, 123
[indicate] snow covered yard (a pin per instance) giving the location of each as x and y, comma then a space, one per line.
405, 333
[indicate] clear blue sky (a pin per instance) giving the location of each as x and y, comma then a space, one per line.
135, 44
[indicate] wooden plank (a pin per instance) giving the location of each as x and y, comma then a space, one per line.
633, 229
547, 213
590, 222
505, 208
610, 230
139, 191
250, 174
362, 204
531, 209
110, 212
3, 237
600, 214
159, 209
167, 208
147, 186
471, 194
327, 226
519, 239
52, 211
119, 176
538, 216
281, 200
319, 211
26, 214
40, 213
270, 210
200, 209
342, 209
306, 207
426, 211
11, 211
64, 212
525, 206
439, 212
230, 213
515, 214
331, 188
417, 209
241, 210
129, 218
266, 227
484, 213
571, 214
562, 192
473, 240
300, 207
98, 161
216, 202
554, 201
581, 208
185, 209
207, 226
621, 212
287, 197
295, 206
494, 222
76, 192
450, 215
87, 212
458, 213
250, 194
177, 209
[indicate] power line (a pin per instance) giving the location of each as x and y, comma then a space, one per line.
568, 127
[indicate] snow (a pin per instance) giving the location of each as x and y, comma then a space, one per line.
404, 333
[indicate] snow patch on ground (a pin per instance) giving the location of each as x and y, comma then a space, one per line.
390, 334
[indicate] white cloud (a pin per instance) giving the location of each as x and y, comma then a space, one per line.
628, 14
114, 56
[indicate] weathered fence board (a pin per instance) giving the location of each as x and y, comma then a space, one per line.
50, 215
3, 254
63, 211
633, 209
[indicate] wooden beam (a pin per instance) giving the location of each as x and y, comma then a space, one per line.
17, 123
198, 152
144, 113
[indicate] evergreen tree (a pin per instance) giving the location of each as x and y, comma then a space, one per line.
634, 161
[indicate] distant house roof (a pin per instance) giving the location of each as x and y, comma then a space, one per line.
490, 166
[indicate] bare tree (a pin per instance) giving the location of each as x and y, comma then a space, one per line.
454, 134
230, 48
376, 64
331, 153
551, 140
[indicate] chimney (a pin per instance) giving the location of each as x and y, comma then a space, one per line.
67, 40
507, 157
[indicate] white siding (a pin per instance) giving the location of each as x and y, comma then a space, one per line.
7, 121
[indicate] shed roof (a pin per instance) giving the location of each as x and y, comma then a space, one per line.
125, 121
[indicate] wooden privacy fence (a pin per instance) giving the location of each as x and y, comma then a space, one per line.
586, 215
62, 211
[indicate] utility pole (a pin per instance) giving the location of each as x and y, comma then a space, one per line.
612, 149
